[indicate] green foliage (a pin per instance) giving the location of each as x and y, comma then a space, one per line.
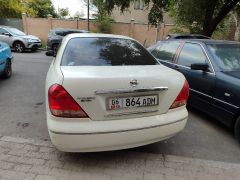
104, 20
42, 8
33, 8
64, 12
199, 16
10, 8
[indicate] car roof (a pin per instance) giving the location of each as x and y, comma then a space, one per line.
187, 35
68, 29
96, 35
205, 41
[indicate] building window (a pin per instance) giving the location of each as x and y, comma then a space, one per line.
138, 4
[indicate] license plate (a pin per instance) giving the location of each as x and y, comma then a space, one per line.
131, 102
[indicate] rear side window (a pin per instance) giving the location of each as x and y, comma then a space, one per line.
105, 52
190, 54
166, 51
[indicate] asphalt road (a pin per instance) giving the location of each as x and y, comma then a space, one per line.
22, 114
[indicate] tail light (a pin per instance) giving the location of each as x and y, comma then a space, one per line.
62, 104
182, 97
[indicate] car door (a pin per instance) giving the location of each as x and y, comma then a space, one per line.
165, 52
3, 37
201, 83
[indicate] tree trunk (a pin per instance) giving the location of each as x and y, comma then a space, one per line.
210, 24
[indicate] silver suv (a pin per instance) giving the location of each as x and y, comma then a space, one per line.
18, 40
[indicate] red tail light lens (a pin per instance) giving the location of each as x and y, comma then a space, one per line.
62, 104
182, 97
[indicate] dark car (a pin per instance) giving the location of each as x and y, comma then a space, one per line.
55, 37
212, 69
186, 36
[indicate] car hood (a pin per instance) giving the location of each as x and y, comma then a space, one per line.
235, 74
31, 37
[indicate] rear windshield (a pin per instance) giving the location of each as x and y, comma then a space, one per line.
105, 52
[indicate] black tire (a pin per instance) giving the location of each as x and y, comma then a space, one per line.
8, 70
55, 49
19, 47
237, 129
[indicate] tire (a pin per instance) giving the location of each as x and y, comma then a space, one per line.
19, 47
237, 129
8, 70
55, 49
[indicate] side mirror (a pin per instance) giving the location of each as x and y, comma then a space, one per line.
200, 66
50, 53
7, 34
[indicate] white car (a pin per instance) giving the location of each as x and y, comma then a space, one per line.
107, 92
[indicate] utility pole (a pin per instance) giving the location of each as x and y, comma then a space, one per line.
88, 15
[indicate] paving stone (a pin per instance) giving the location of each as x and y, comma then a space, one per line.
13, 175
25, 160
28, 159
47, 149
32, 148
54, 164
153, 176
22, 167
40, 170
11, 145
45, 177
6, 165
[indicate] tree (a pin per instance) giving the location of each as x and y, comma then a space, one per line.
64, 12
102, 16
34, 8
10, 8
207, 14
42, 8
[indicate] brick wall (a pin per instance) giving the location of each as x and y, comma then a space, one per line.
144, 33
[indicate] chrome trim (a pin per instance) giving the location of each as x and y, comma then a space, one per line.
120, 131
125, 91
225, 103
200, 93
215, 99
130, 113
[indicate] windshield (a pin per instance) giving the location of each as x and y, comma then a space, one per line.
227, 56
105, 52
16, 32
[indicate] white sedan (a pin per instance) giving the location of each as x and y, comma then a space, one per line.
107, 92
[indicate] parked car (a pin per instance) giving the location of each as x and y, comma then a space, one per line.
187, 36
18, 40
55, 37
212, 69
6, 59
107, 92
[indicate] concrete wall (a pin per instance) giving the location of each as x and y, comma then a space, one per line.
13, 22
144, 33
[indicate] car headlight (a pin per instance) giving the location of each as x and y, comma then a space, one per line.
30, 40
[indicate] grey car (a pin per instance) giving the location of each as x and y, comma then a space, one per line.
18, 40
55, 37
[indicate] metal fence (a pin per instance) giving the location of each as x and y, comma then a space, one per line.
17, 23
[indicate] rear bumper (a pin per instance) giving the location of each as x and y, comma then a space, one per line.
101, 137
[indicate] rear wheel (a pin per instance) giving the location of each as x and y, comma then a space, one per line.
19, 47
237, 129
8, 70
